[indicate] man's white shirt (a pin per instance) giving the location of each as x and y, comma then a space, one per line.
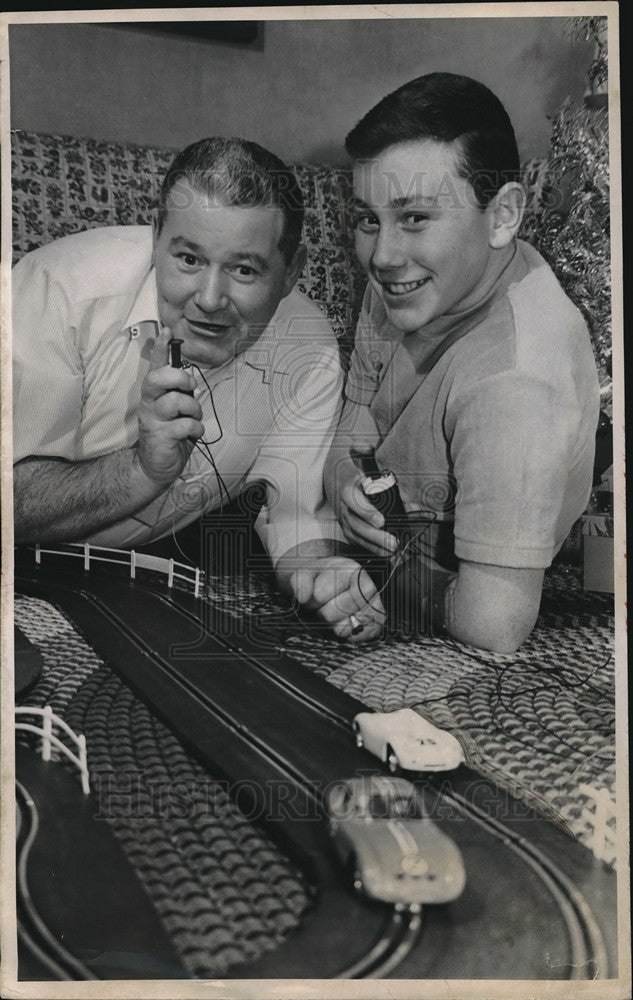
84, 322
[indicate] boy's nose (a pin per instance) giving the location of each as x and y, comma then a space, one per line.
388, 250
211, 294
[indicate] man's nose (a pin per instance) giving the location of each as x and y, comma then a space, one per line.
389, 250
211, 293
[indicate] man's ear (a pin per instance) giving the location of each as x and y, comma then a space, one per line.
505, 213
294, 268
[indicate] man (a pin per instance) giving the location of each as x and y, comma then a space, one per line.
472, 376
116, 446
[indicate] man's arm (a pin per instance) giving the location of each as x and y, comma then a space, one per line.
59, 500
297, 526
56, 500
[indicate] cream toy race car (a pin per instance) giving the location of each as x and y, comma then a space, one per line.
404, 739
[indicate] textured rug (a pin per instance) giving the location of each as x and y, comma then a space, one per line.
539, 723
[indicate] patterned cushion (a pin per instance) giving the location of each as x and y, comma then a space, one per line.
62, 185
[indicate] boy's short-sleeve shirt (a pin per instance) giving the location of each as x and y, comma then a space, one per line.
487, 417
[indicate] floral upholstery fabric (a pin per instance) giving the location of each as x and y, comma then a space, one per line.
62, 185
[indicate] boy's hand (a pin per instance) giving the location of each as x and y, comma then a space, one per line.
361, 523
342, 595
168, 417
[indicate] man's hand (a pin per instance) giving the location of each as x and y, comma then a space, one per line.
169, 419
336, 588
361, 523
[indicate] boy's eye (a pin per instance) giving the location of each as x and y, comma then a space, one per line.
366, 222
416, 219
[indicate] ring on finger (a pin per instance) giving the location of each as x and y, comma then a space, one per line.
355, 624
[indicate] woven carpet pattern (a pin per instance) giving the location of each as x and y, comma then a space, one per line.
224, 893
539, 723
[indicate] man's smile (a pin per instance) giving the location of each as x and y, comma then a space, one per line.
207, 328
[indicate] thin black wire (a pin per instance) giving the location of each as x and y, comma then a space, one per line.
414, 540
207, 444
204, 447
213, 407
501, 670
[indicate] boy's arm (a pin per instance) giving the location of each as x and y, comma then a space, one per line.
491, 607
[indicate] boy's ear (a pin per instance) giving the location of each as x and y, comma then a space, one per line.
505, 213
155, 231
293, 269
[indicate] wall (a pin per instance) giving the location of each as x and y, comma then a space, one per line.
298, 94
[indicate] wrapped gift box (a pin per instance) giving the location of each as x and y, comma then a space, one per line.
597, 552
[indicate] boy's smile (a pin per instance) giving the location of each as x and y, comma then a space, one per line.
420, 234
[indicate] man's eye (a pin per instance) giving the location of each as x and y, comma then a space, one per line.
188, 259
244, 271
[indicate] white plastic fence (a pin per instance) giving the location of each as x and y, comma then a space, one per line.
135, 560
50, 739
600, 815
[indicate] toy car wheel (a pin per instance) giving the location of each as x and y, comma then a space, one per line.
392, 759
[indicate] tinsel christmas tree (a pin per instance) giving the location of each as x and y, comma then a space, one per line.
573, 233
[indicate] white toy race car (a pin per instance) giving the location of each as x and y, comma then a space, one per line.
404, 739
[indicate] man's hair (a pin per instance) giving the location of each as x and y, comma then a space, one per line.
243, 174
445, 107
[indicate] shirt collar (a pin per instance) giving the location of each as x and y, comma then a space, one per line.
427, 345
145, 306
262, 348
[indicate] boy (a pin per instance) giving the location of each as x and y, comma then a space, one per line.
472, 376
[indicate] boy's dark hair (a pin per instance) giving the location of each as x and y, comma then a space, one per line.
445, 107
242, 174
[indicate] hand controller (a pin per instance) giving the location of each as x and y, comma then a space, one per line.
381, 489
175, 359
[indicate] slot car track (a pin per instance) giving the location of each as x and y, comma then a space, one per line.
99, 922
280, 735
